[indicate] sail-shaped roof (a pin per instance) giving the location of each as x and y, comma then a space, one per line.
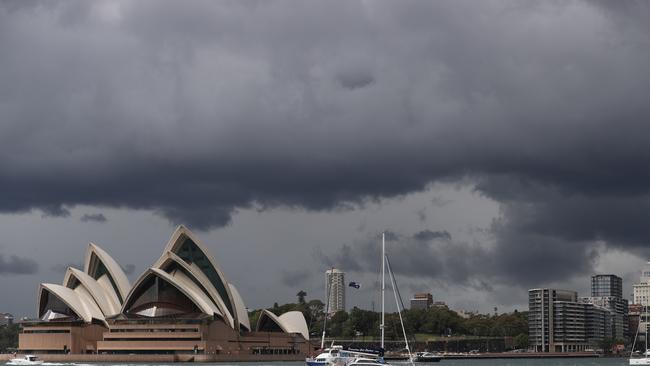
242, 312
171, 262
60, 302
289, 322
105, 270
106, 300
158, 293
185, 244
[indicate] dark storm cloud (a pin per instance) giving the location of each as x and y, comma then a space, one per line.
17, 265
426, 235
97, 217
196, 110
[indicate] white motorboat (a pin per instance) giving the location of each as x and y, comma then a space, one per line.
341, 356
25, 360
363, 361
427, 357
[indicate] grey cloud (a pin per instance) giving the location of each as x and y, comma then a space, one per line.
426, 235
97, 217
194, 111
17, 265
296, 278
422, 214
62, 267
128, 269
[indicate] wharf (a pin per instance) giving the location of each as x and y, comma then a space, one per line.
157, 358
503, 355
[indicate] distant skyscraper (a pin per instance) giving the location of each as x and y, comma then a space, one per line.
607, 292
606, 285
335, 282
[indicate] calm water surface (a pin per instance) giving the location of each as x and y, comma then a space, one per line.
508, 362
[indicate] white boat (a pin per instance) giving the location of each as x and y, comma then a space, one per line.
342, 356
645, 360
26, 360
427, 357
362, 361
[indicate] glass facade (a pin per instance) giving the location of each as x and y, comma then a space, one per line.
53, 308
156, 297
606, 285
192, 254
98, 269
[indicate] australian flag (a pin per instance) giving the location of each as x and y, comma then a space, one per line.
354, 284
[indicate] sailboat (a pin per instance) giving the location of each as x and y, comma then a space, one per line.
645, 360
385, 264
345, 356
336, 355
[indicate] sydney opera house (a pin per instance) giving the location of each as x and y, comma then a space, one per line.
183, 304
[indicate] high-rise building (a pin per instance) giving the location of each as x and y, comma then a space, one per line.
642, 289
422, 301
607, 293
557, 322
606, 285
335, 283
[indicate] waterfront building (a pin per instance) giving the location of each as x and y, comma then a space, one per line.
618, 310
335, 282
641, 290
634, 317
558, 322
607, 285
422, 301
183, 304
641, 295
607, 293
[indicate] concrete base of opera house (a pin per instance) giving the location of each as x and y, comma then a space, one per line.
158, 341
141, 358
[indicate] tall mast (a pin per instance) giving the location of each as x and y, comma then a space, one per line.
327, 306
383, 283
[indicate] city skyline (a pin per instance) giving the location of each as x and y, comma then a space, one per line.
501, 146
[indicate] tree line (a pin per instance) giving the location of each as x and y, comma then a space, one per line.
435, 321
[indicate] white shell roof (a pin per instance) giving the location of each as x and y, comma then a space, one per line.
242, 313
107, 302
183, 284
121, 281
289, 322
199, 276
294, 322
79, 301
175, 241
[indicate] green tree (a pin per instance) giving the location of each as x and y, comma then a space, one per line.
9, 337
301, 297
521, 341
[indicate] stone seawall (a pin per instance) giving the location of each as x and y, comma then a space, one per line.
124, 358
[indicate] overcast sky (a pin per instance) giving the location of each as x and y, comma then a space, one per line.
503, 145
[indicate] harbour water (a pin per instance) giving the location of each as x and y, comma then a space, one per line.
481, 362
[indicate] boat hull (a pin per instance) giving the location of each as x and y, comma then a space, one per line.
315, 363
639, 361
427, 359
